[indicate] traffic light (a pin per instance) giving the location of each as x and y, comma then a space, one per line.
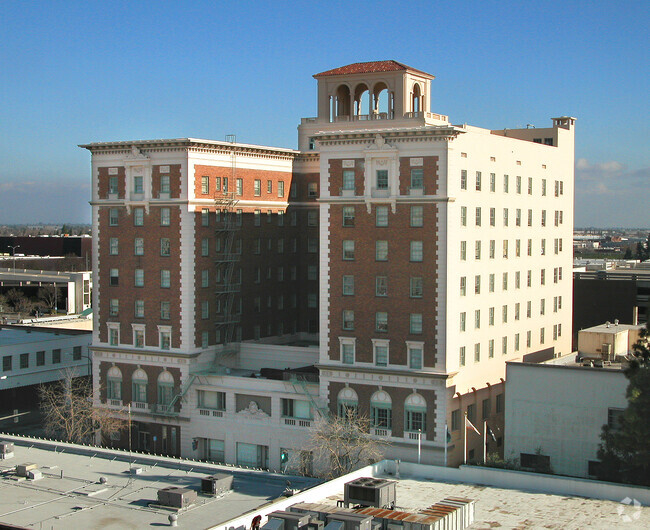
284, 456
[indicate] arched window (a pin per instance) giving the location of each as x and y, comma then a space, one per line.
417, 98
348, 403
341, 102
165, 388
381, 104
381, 409
139, 382
415, 413
114, 383
361, 99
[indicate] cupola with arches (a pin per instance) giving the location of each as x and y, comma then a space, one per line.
376, 90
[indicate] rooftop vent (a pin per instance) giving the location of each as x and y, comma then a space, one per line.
6, 450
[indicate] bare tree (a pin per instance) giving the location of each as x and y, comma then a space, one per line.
49, 295
19, 301
340, 445
68, 411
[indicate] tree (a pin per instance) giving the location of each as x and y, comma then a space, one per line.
340, 445
49, 295
69, 414
19, 302
624, 453
628, 253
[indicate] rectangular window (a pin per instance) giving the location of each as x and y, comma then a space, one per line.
205, 185
493, 216
463, 285
530, 218
416, 323
530, 186
348, 285
477, 353
348, 216
463, 179
541, 335
492, 248
239, 186
504, 345
24, 360
505, 184
417, 252
205, 309
543, 187
478, 181
416, 288
381, 286
518, 217
139, 278
269, 186
477, 250
312, 272
164, 310
417, 216
348, 179
114, 307
139, 309
281, 188
348, 250
138, 216
205, 278
138, 246
477, 284
381, 355
381, 250
543, 220
113, 217
40, 358
205, 246
113, 249
347, 353
417, 178
518, 248
491, 316
381, 216
257, 187
461, 356
517, 306
382, 179
504, 314
312, 190
477, 319
505, 217
493, 182
205, 217
463, 321
138, 338
165, 278
491, 282
165, 186
455, 420
138, 184
381, 321
112, 185
165, 246
165, 217
505, 248
348, 320
491, 348
478, 216
225, 184
505, 281
415, 358
114, 277
463, 216
463, 250
518, 185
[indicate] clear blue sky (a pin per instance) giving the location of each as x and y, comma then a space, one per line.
77, 72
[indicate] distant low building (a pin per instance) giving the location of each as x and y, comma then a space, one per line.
31, 356
555, 411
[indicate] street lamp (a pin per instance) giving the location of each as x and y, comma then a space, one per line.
13, 253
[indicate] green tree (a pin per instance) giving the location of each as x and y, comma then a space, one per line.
625, 452
628, 253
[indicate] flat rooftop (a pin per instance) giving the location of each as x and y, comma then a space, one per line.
612, 328
511, 508
70, 494
11, 336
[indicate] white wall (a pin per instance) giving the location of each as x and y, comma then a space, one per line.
561, 411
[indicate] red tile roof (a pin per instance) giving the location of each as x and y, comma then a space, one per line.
369, 68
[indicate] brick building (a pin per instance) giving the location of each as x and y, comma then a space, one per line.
434, 254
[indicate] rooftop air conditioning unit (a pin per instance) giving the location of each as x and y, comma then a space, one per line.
606, 352
216, 484
366, 491
6, 450
351, 521
291, 520
176, 497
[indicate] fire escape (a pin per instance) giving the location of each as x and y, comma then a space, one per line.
228, 274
